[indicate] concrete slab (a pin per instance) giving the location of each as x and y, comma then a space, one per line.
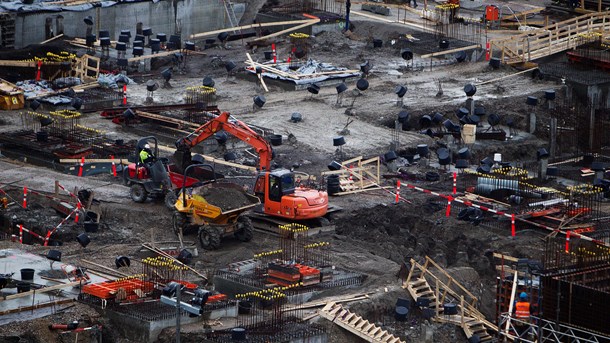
12, 261
43, 180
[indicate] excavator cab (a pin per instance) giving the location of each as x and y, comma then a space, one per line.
278, 183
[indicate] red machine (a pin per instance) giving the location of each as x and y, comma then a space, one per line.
160, 179
276, 189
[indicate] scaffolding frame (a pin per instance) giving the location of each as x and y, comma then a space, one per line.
539, 330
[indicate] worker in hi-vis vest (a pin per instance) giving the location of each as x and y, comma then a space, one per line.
522, 314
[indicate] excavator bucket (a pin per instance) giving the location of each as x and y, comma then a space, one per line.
182, 159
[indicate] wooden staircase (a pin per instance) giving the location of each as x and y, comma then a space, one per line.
357, 325
554, 38
446, 290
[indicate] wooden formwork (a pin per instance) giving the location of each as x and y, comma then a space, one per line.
87, 68
357, 174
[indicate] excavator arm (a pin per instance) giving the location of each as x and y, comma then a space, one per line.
230, 125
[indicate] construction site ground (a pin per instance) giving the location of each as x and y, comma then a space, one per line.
372, 235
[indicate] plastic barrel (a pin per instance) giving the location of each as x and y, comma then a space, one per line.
27, 274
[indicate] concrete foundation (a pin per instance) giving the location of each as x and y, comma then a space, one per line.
147, 331
185, 16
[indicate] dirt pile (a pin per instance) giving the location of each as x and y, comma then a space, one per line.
227, 198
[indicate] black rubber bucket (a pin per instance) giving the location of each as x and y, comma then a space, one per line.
377, 43
444, 157
400, 91
275, 140
313, 88
422, 302
338, 141
238, 334
422, 150
450, 309
390, 156
549, 94
27, 274
495, 62
122, 261
443, 44
464, 153
362, 84
334, 165
268, 55
403, 117
83, 240
462, 112
91, 222
461, 164
406, 54
342, 87
400, 313
230, 156
531, 100
208, 82
23, 287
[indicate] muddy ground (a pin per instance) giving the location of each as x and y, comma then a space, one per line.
373, 236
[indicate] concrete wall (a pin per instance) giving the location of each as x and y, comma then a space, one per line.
191, 16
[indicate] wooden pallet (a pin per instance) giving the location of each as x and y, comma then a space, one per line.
447, 290
357, 325
551, 39
87, 68
357, 174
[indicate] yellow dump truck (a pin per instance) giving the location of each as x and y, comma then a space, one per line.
216, 210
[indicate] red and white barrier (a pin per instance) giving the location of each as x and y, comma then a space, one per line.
113, 166
274, 53
124, 95
454, 183
25, 197
568, 241
82, 164
397, 192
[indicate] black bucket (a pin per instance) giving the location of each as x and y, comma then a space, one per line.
400, 314
464, 153
461, 164
462, 112
531, 100
275, 140
268, 55
27, 274
444, 157
23, 287
549, 94
338, 141
450, 309
238, 334
494, 62
377, 43
390, 156
406, 54
422, 150
443, 44
334, 165
362, 84
91, 223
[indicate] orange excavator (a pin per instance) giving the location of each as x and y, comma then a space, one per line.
275, 188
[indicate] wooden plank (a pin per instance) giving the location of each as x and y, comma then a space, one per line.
260, 77
40, 290
309, 23
25, 64
250, 26
37, 306
373, 17
440, 53
159, 54
274, 70
51, 39
506, 76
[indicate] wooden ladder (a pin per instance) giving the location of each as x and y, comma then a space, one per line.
468, 317
356, 324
